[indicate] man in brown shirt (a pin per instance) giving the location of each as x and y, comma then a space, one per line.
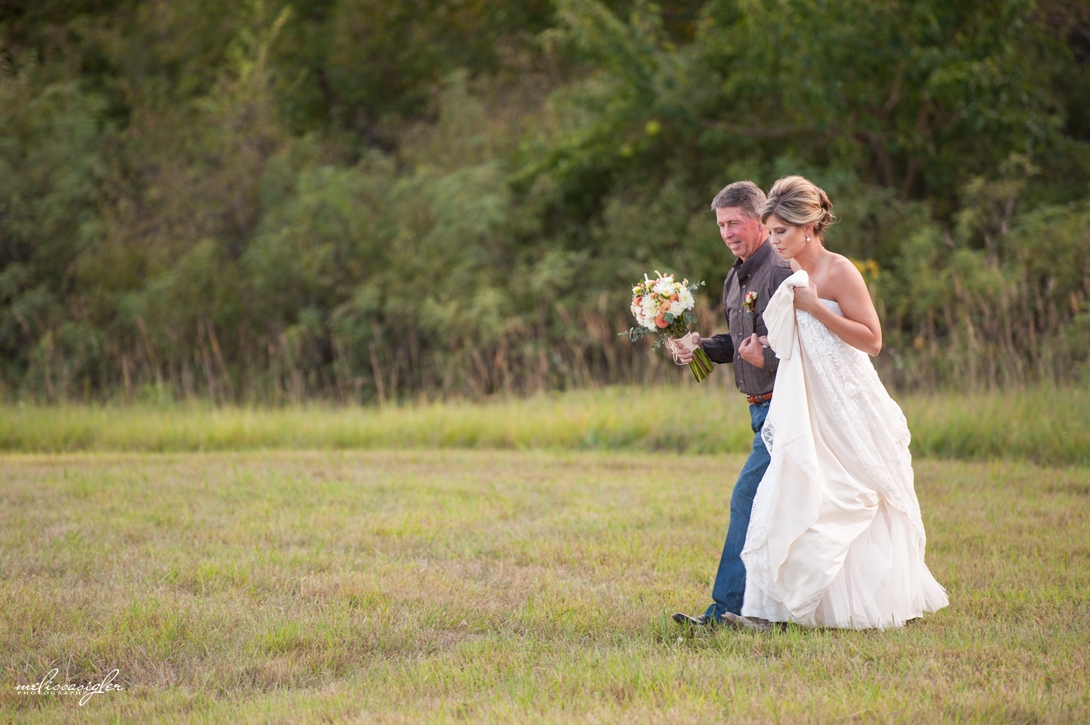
756, 274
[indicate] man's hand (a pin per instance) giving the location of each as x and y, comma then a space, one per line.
752, 350
684, 354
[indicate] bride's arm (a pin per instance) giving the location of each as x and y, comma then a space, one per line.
859, 327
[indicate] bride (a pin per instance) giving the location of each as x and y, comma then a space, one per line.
835, 538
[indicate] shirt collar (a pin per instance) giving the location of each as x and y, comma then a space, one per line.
755, 260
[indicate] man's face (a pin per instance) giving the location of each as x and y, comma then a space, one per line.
742, 235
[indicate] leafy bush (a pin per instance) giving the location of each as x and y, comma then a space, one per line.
364, 202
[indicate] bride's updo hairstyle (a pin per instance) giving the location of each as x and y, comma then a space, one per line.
799, 201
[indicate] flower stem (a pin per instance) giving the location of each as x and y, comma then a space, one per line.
701, 365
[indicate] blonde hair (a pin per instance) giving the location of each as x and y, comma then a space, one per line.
799, 201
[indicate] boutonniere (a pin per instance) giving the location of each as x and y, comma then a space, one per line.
749, 304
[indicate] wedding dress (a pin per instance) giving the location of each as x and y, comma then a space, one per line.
835, 537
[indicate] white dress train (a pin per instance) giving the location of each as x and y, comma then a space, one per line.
835, 536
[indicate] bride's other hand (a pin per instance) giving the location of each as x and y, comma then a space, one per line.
806, 298
752, 351
684, 353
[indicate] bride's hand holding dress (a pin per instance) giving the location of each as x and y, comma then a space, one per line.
806, 298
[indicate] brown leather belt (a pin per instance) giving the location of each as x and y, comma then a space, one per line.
754, 399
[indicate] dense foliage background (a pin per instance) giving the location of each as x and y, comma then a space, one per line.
374, 200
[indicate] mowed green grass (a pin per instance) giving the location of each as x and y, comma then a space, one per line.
503, 587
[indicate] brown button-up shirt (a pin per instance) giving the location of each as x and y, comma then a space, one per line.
761, 273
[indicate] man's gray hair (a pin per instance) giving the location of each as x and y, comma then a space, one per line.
745, 195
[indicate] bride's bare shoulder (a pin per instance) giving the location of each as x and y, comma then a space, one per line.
841, 282
842, 271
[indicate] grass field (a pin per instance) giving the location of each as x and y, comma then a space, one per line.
1050, 426
503, 586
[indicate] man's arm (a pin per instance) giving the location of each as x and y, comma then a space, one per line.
719, 348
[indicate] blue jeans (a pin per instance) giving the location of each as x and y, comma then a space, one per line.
730, 580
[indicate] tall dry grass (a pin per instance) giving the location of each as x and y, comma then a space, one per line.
1047, 425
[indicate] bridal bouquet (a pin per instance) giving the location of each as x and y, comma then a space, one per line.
663, 308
